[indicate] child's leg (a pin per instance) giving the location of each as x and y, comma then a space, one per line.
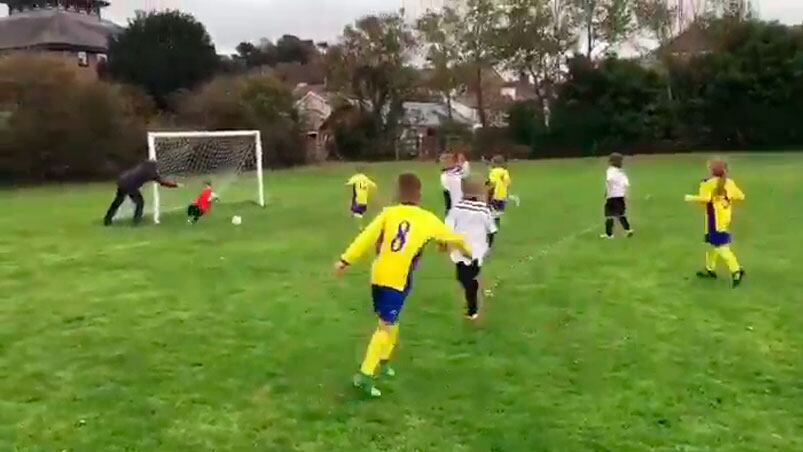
467, 275
609, 227
624, 222
390, 346
730, 259
711, 257
378, 345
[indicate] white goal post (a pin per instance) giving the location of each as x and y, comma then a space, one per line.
229, 160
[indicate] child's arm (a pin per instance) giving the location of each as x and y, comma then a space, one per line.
442, 234
734, 192
367, 239
704, 196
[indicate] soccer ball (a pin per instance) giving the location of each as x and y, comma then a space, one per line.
236, 220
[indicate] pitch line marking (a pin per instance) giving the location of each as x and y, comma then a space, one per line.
542, 252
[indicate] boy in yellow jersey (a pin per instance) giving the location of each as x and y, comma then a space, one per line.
398, 234
361, 186
499, 183
717, 194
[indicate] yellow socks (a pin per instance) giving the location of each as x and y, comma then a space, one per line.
376, 348
711, 257
730, 259
390, 345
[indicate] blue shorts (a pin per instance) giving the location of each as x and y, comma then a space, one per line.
388, 303
498, 205
718, 238
358, 209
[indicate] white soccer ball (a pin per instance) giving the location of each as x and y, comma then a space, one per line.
236, 220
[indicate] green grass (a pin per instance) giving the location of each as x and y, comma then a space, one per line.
220, 338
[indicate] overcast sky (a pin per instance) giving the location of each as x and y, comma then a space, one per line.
232, 21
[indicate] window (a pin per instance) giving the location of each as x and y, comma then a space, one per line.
102, 58
83, 59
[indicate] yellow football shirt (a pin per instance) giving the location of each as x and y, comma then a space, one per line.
399, 234
361, 186
499, 179
718, 209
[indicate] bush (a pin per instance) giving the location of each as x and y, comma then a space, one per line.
248, 102
61, 123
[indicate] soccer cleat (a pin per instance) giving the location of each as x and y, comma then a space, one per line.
630, 233
606, 236
737, 278
386, 370
365, 384
472, 316
707, 274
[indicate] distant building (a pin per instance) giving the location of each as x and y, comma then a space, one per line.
421, 127
314, 108
73, 28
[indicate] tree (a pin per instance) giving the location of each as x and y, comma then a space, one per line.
163, 52
439, 32
657, 18
605, 21
478, 39
264, 54
536, 41
370, 64
291, 49
253, 102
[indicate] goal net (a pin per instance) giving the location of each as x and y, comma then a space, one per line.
231, 161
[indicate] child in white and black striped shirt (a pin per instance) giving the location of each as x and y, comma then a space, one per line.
472, 217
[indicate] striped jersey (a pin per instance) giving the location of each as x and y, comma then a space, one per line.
473, 220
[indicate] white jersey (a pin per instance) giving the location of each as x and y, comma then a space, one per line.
616, 183
472, 219
452, 182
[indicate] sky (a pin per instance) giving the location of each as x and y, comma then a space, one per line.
233, 21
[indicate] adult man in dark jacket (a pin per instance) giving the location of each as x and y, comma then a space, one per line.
129, 183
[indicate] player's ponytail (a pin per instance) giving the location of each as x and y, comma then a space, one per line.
719, 169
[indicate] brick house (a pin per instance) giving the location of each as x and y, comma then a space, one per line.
71, 28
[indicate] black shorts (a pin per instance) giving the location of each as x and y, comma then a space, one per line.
615, 207
468, 272
194, 211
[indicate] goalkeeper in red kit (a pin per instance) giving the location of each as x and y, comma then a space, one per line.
202, 204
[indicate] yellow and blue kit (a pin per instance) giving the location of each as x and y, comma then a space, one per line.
718, 214
718, 209
499, 182
361, 185
398, 234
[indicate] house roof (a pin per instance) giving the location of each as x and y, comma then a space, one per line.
56, 28
694, 40
427, 114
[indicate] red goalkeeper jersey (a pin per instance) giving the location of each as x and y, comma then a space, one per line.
204, 201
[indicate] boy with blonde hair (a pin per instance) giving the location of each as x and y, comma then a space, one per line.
398, 235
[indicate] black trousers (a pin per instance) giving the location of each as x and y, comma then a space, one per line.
119, 197
194, 212
467, 275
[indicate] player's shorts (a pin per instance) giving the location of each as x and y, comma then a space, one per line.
498, 205
718, 238
358, 209
468, 272
615, 207
194, 211
388, 303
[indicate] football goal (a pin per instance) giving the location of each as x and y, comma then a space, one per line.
230, 160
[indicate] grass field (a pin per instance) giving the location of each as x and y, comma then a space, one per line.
215, 337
